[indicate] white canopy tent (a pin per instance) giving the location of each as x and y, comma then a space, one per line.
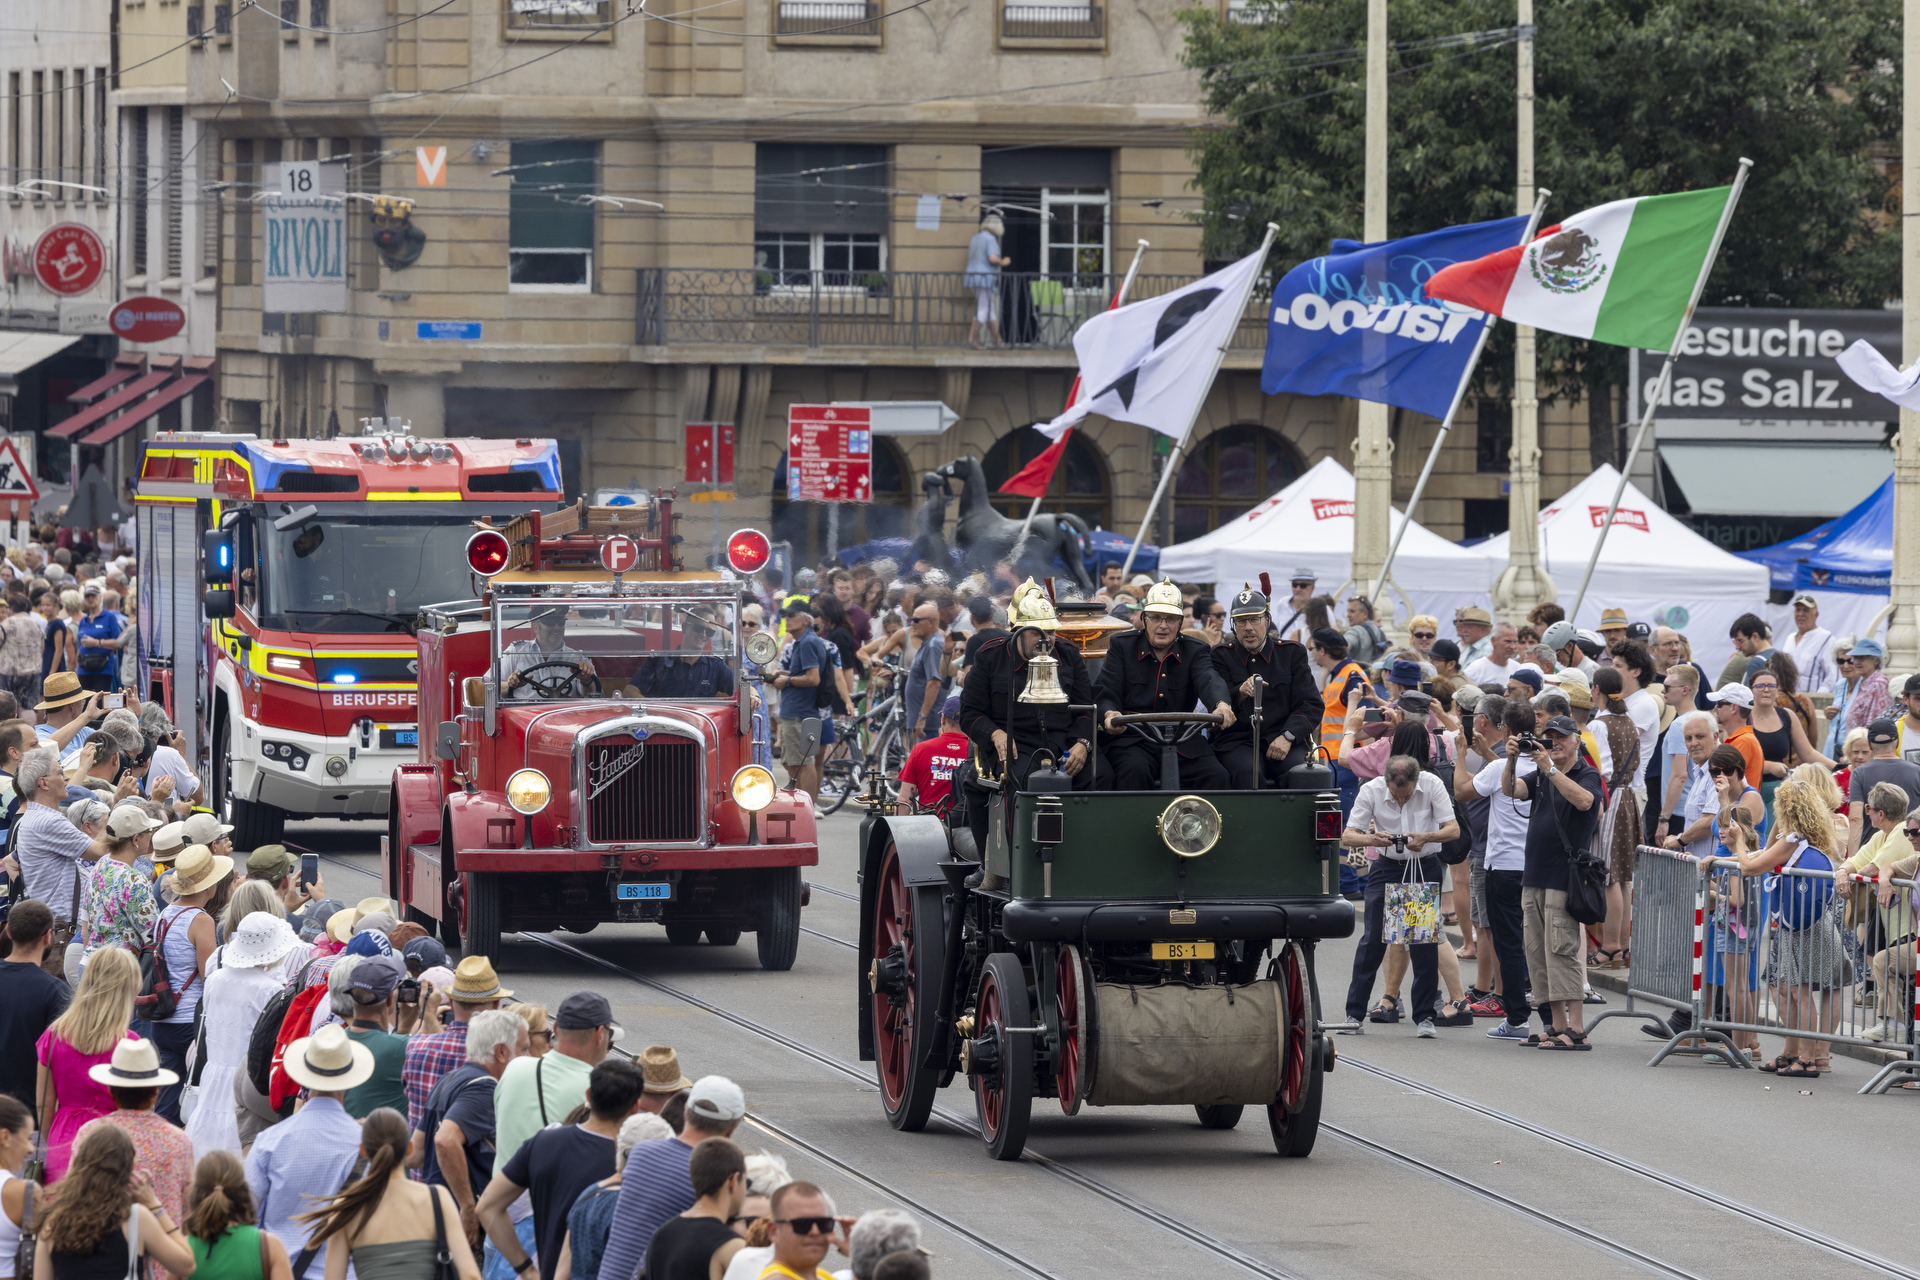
1658, 570
1309, 524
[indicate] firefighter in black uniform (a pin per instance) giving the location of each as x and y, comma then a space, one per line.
1290, 707
1159, 669
1005, 742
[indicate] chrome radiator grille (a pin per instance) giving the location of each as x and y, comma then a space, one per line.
656, 799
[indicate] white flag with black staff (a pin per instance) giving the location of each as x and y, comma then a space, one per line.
1153, 362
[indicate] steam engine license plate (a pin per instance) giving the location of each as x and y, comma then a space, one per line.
637, 891
1183, 951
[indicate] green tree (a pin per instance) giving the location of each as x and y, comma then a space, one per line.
1632, 97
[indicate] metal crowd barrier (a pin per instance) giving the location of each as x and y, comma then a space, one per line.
1751, 955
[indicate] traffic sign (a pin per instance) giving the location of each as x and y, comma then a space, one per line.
829, 453
16, 480
147, 320
430, 166
709, 453
619, 554
68, 258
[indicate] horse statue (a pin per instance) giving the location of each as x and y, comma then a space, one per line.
930, 524
986, 537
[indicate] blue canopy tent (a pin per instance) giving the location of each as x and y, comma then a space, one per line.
1850, 553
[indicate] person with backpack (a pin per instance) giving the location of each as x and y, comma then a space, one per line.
133, 1079
183, 940
1807, 954
314, 1153
236, 993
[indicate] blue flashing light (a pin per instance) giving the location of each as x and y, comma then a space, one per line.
226, 555
619, 500
343, 677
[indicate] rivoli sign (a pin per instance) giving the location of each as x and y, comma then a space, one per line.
306, 239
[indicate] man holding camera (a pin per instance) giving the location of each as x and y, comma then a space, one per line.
1565, 790
1400, 818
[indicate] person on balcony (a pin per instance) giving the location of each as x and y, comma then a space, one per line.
984, 261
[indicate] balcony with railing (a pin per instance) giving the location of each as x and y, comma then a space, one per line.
827, 21
887, 311
1053, 26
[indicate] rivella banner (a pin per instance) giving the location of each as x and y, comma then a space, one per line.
305, 239
1772, 363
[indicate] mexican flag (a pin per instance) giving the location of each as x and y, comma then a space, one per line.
1621, 273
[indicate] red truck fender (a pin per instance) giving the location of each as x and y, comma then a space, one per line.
413, 817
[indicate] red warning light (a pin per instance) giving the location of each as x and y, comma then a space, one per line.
748, 551
487, 552
1326, 826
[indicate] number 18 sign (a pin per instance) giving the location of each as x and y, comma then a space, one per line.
829, 453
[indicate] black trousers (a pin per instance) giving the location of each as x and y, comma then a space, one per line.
1373, 945
1508, 926
978, 798
1135, 764
1238, 760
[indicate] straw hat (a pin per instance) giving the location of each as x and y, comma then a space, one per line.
661, 1066
367, 906
60, 690
199, 868
135, 1065
474, 982
328, 1061
340, 925
262, 939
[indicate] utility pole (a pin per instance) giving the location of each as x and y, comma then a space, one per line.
1524, 582
1903, 632
1372, 450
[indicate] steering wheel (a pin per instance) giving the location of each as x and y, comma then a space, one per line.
559, 683
1169, 728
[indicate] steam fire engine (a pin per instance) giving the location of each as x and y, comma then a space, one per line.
587, 745
294, 677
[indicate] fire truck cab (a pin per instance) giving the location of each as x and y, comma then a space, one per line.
293, 676
588, 745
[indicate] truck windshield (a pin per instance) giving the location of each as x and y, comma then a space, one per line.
346, 572
560, 650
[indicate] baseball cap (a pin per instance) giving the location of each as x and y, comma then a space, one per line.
313, 920
375, 978
1740, 696
1881, 730
1327, 635
381, 922
1467, 697
370, 943
1414, 702
951, 707
1527, 676
1638, 631
425, 952
716, 1099
1445, 650
585, 1010
269, 862
1804, 599
128, 821
1562, 725
1568, 677
1911, 687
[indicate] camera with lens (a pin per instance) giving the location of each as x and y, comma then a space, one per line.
1529, 744
1399, 844
409, 991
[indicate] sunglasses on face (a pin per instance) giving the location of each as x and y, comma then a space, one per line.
1764, 688
1426, 635
808, 1226
1212, 614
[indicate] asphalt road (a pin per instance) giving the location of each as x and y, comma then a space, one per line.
1458, 1156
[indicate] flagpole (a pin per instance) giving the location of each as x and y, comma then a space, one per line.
1173, 458
1446, 423
1666, 377
1119, 299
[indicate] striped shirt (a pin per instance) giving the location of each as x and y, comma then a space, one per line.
654, 1187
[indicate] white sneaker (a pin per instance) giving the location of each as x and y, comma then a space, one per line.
1886, 1031
1426, 1031
1357, 1029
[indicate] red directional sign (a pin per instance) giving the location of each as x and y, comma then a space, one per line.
619, 554
68, 258
147, 320
829, 453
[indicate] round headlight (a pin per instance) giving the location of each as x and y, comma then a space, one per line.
1190, 826
762, 648
753, 788
528, 791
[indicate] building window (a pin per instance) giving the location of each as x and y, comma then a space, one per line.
819, 216
1227, 474
1079, 485
100, 118
209, 209
1494, 438
1074, 235
137, 185
841, 18
245, 181
1053, 21
820, 529
15, 156
39, 129
170, 190
565, 15
59, 148
550, 222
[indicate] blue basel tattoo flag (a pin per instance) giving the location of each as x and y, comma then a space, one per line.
1358, 321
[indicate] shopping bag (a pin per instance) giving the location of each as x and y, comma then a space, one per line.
1412, 911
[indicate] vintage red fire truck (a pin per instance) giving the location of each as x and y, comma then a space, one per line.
294, 677
588, 745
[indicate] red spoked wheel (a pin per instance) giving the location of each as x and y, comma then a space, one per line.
1074, 1003
1294, 1117
1000, 1059
908, 941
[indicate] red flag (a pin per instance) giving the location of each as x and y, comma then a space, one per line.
1032, 480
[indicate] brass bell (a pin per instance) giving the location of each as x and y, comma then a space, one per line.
1043, 681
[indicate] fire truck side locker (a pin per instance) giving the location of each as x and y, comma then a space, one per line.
173, 625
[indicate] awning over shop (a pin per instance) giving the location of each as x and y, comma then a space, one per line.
123, 368
21, 351
119, 400
140, 411
1732, 477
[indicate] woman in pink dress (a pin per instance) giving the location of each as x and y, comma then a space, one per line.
80, 1039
